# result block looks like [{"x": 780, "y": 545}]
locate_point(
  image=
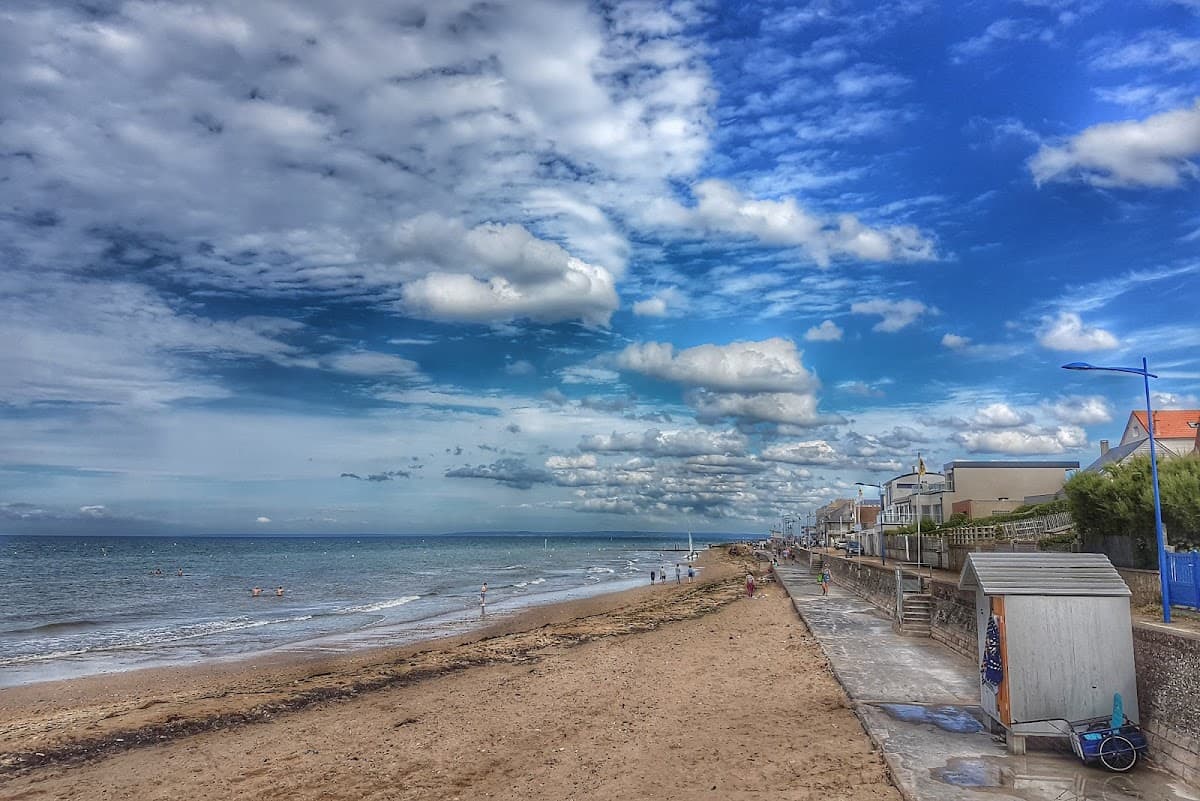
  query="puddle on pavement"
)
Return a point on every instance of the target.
[
  {"x": 1041, "y": 779},
  {"x": 955, "y": 719}
]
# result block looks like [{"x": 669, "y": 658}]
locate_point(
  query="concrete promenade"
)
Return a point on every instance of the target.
[{"x": 918, "y": 702}]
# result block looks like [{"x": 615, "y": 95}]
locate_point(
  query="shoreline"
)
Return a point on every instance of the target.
[
  {"x": 72, "y": 720},
  {"x": 691, "y": 692},
  {"x": 184, "y": 622}
]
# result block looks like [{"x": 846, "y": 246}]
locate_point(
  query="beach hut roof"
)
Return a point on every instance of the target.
[{"x": 1089, "y": 574}]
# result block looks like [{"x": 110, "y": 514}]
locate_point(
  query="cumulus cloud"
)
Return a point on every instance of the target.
[
  {"x": 895, "y": 314},
  {"x": 827, "y": 331},
  {"x": 763, "y": 381},
  {"x": 769, "y": 407},
  {"x": 812, "y": 452},
  {"x": 1000, "y": 415},
  {"x": 1081, "y": 410},
  {"x": 276, "y": 185},
  {"x": 582, "y": 461},
  {"x": 1068, "y": 332},
  {"x": 664, "y": 303},
  {"x": 494, "y": 272},
  {"x": 955, "y": 342},
  {"x": 1154, "y": 152},
  {"x": 772, "y": 365},
  {"x": 1023, "y": 442},
  {"x": 653, "y": 442},
  {"x": 722, "y": 209}
]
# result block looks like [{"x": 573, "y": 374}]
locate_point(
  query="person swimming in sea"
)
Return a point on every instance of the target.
[
  {"x": 279, "y": 591},
  {"x": 257, "y": 591}
]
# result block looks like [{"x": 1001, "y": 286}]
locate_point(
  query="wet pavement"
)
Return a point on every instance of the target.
[{"x": 919, "y": 703}]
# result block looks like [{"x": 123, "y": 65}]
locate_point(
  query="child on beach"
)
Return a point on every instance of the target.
[
  {"x": 652, "y": 576},
  {"x": 678, "y": 574},
  {"x": 749, "y": 585},
  {"x": 691, "y": 574}
]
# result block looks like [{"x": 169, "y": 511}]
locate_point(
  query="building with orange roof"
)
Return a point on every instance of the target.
[{"x": 1176, "y": 433}]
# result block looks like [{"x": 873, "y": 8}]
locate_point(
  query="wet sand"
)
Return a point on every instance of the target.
[{"x": 677, "y": 691}]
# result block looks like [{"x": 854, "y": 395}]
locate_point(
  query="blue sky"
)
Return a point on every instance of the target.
[{"x": 369, "y": 267}]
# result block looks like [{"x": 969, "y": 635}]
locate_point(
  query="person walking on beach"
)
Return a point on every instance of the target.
[
  {"x": 652, "y": 577},
  {"x": 483, "y": 599},
  {"x": 678, "y": 574},
  {"x": 749, "y": 585},
  {"x": 691, "y": 574},
  {"x": 662, "y": 575}
]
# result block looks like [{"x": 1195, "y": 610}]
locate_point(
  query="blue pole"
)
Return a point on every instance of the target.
[{"x": 1158, "y": 524}]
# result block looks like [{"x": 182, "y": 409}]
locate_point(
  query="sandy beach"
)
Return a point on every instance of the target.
[{"x": 677, "y": 691}]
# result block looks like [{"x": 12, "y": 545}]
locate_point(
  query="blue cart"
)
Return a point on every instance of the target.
[{"x": 1117, "y": 749}]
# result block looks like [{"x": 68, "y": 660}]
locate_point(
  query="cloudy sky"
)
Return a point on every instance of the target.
[{"x": 399, "y": 266}]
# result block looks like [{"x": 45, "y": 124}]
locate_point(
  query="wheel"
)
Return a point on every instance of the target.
[{"x": 1118, "y": 754}]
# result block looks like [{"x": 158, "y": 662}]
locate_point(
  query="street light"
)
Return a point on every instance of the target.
[
  {"x": 1158, "y": 524},
  {"x": 878, "y": 521}
]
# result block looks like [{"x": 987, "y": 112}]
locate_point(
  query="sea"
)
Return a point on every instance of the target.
[{"x": 80, "y": 606}]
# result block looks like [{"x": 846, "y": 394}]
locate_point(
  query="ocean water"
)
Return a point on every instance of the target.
[{"x": 73, "y": 607}]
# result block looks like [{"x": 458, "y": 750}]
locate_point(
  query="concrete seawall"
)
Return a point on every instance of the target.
[{"x": 1167, "y": 659}]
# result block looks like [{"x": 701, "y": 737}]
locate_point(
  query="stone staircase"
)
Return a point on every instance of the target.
[{"x": 917, "y": 614}]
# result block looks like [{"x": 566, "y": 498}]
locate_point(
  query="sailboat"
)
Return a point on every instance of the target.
[{"x": 691, "y": 548}]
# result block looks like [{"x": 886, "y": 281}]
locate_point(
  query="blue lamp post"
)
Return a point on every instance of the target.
[
  {"x": 1146, "y": 375},
  {"x": 882, "y": 536}
]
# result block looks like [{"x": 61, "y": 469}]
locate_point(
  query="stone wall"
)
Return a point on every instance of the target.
[
  {"x": 1168, "y": 679},
  {"x": 874, "y": 583},
  {"x": 953, "y": 619}
]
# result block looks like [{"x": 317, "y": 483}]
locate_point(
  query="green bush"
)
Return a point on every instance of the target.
[{"x": 1119, "y": 502}]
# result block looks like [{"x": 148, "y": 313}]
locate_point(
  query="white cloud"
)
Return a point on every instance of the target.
[
  {"x": 563, "y": 116},
  {"x": 720, "y": 208},
  {"x": 583, "y": 461},
  {"x": 955, "y": 342},
  {"x": 262, "y": 520},
  {"x": 827, "y": 331},
  {"x": 372, "y": 363},
  {"x": 694, "y": 442},
  {"x": 1068, "y": 332},
  {"x": 1154, "y": 152},
  {"x": 771, "y": 365},
  {"x": 1153, "y": 48},
  {"x": 1023, "y": 442},
  {"x": 770, "y": 407},
  {"x": 1001, "y": 415},
  {"x": 493, "y": 273},
  {"x": 811, "y": 452},
  {"x": 1081, "y": 410},
  {"x": 664, "y": 303},
  {"x": 650, "y": 307},
  {"x": 996, "y": 33},
  {"x": 1175, "y": 400},
  {"x": 896, "y": 314}
]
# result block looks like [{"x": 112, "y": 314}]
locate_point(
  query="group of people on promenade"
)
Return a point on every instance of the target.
[{"x": 660, "y": 576}]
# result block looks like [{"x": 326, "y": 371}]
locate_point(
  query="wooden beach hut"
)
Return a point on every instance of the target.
[{"x": 1055, "y": 640}]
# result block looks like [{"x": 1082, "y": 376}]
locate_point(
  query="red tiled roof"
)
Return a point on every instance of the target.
[{"x": 1172, "y": 424}]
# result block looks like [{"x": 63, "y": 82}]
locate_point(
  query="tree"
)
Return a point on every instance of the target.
[{"x": 1114, "y": 510}]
